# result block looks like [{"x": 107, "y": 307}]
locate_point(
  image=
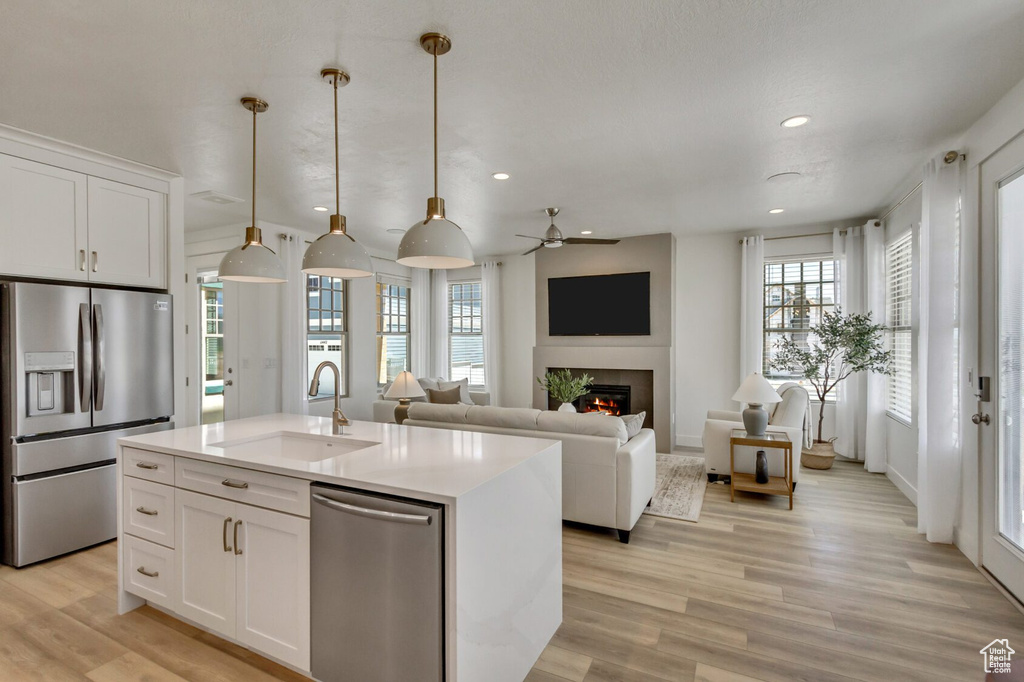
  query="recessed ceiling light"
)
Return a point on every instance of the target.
[
  {"x": 587, "y": 232},
  {"x": 395, "y": 230},
  {"x": 322, "y": 209},
  {"x": 795, "y": 121},
  {"x": 777, "y": 210},
  {"x": 500, "y": 176}
]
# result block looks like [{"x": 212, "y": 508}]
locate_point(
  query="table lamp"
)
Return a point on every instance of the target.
[
  {"x": 404, "y": 388},
  {"x": 755, "y": 391}
]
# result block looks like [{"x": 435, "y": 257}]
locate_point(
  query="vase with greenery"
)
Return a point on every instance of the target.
[
  {"x": 838, "y": 346},
  {"x": 565, "y": 388}
]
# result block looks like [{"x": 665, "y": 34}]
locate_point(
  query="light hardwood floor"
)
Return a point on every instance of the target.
[{"x": 840, "y": 588}]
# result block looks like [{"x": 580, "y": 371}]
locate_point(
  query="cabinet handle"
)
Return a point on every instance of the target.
[
  {"x": 238, "y": 550},
  {"x": 81, "y": 257},
  {"x": 147, "y": 512},
  {"x": 95, "y": 262},
  {"x": 148, "y": 574},
  {"x": 224, "y": 534},
  {"x": 146, "y": 465},
  {"x": 242, "y": 485}
]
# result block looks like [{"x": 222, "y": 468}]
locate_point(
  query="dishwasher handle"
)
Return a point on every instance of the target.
[{"x": 414, "y": 519}]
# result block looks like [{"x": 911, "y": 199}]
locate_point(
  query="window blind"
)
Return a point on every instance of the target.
[{"x": 898, "y": 292}]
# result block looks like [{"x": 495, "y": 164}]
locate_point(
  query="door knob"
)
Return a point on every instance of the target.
[
  {"x": 229, "y": 382},
  {"x": 980, "y": 418}
]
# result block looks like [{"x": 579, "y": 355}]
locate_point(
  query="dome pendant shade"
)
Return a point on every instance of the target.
[
  {"x": 336, "y": 254},
  {"x": 436, "y": 243},
  {"x": 252, "y": 262}
]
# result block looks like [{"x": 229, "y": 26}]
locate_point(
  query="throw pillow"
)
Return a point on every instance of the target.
[
  {"x": 426, "y": 383},
  {"x": 449, "y": 397},
  {"x": 634, "y": 422},
  {"x": 463, "y": 385}
]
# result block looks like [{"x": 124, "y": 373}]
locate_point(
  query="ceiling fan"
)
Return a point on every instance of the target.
[{"x": 553, "y": 238}]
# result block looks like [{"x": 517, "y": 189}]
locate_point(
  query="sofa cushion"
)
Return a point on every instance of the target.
[
  {"x": 453, "y": 414},
  {"x": 634, "y": 422},
  {"x": 504, "y": 417},
  {"x": 463, "y": 385},
  {"x": 588, "y": 424},
  {"x": 451, "y": 396},
  {"x": 427, "y": 382}
]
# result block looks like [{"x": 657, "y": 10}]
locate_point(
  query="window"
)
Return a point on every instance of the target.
[
  {"x": 796, "y": 295},
  {"x": 393, "y": 337},
  {"x": 898, "y": 292},
  {"x": 326, "y": 332},
  {"x": 465, "y": 332}
]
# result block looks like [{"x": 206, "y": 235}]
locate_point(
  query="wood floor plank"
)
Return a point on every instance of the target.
[
  {"x": 595, "y": 643},
  {"x": 708, "y": 673},
  {"x": 48, "y": 586},
  {"x": 564, "y": 663},
  {"x": 132, "y": 667}
]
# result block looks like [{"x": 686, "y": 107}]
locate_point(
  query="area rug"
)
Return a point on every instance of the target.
[{"x": 679, "y": 488}]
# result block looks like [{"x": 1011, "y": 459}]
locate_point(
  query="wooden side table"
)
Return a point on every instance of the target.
[{"x": 776, "y": 485}]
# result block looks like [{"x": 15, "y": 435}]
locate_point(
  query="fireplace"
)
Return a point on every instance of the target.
[{"x": 607, "y": 398}]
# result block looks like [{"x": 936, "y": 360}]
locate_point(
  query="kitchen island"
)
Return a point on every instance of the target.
[{"x": 214, "y": 528}]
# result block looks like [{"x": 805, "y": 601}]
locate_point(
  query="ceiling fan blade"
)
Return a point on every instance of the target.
[
  {"x": 526, "y": 236},
  {"x": 578, "y": 240},
  {"x": 536, "y": 248}
]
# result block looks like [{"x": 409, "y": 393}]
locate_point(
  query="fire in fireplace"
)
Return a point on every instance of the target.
[{"x": 606, "y": 398}]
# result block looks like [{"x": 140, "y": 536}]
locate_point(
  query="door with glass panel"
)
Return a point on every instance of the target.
[
  {"x": 212, "y": 343},
  {"x": 1001, "y": 419}
]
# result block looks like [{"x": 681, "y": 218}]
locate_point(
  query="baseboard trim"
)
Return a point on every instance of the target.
[
  {"x": 688, "y": 442},
  {"x": 902, "y": 483}
]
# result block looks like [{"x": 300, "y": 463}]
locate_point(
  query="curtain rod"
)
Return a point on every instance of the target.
[
  {"x": 900, "y": 202},
  {"x": 801, "y": 236}
]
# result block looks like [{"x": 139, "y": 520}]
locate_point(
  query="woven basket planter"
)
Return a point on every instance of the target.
[{"x": 820, "y": 456}]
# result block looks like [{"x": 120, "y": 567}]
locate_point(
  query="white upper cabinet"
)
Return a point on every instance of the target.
[
  {"x": 43, "y": 228},
  {"x": 126, "y": 234},
  {"x": 61, "y": 224}
]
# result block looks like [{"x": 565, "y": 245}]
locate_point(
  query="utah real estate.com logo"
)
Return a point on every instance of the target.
[{"x": 997, "y": 656}]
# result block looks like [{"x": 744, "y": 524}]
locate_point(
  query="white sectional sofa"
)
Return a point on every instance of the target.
[
  {"x": 607, "y": 477},
  {"x": 384, "y": 410}
]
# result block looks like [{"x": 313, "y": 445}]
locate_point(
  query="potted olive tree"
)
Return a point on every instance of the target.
[
  {"x": 838, "y": 346},
  {"x": 565, "y": 388}
]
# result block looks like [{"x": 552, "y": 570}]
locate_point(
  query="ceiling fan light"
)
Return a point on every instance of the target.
[{"x": 552, "y": 245}]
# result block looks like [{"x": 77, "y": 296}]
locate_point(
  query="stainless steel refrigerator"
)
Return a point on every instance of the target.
[{"x": 79, "y": 368}]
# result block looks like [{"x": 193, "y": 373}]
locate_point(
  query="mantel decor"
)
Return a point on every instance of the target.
[{"x": 565, "y": 388}]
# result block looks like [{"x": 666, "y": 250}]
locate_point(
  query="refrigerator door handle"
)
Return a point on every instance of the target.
[
  {"x": 100, "y": 343},
  {"x": 84, "y": 357}
]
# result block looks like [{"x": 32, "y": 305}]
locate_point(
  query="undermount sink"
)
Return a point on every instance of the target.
[{"x": 304, "y": 447}]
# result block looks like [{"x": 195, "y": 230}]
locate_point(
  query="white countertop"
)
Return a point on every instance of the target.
[{"x": 434, "y": 464}]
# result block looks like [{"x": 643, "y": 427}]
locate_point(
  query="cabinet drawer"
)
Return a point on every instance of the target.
[
  {"x": 152, "y": 466},
  {"x": 149, "y": 511},
  {"x": 282, "y": 493},
  {"x": 148, "y": 571}
]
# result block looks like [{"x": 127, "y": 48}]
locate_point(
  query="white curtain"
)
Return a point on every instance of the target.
[
  {"x": 860, "y": 399},
  {"x": 491, "y": 284},
  {"x": 419, "y": 363},
  {"x": 938, "y": 353},
  {"x": 439, "y": 322},
  {"x": 293, "y": 326},
  {"x": 751, "y": 305}
]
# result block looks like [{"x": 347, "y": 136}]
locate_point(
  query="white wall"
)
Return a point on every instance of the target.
[{"x": 519, "y": 330}]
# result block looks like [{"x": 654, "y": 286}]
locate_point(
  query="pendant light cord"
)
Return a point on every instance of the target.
[
  {"x": 337, "y": 176},
  {"x": 254, "y": 167},
  {"x": 435, "y": 120}
]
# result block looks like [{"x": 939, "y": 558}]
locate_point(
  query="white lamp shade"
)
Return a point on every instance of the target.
[
  {"x": 405, "y": 386},
  {"x": 755, "y": 390},
  {"x": 336, "y": 254},
  {"x": 252, "y": 263},
  {"x": 435, "y": 243}
]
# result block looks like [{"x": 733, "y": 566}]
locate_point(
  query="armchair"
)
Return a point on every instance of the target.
[{"x": 789, "y": 416}]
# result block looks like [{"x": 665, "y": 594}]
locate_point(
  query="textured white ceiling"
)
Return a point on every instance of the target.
[{"x": 633, "y": 116}]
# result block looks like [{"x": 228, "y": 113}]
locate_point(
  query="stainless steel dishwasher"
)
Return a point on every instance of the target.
[{"x": 377, "y": 584}]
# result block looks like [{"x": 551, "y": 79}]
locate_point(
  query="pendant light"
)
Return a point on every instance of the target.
[
  {"x": 336, "y": 254},
  {"x": 436, "y": 242},
  {"x": 252, "y": 261}
]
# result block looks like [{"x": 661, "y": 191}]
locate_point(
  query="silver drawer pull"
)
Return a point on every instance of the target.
[
  {"x": 234, "y": 484},
  {"x": 148, "y": 574},
  {"x": 146, "y": 465},
  {"x": 147, "y": 512}
]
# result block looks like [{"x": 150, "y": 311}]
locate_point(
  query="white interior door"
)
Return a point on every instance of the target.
[
  {"x": 1001, "y": 347},
  {"x": 212, "y": 343}
]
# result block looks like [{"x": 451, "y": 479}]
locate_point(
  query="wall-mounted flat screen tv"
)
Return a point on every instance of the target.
[{"x": 600, "y": 305}]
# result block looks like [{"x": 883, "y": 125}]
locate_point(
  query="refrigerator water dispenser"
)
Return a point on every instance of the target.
[{"x": 51, "y": 382}]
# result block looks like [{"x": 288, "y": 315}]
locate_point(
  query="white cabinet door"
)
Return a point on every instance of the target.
[
  {"x": 206, "y": 560},
  {"x": 272, "y": 590},
  {"x": 126, "y": 235},
  {"x": 42, "y": 220}
]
